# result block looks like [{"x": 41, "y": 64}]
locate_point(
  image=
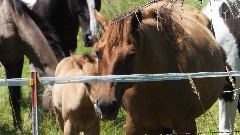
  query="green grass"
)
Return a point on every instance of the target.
[{"x": 48, "y": 125}]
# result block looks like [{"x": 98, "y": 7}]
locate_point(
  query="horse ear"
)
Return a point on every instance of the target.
[
  {"x": 101, "y": 20},
  {"x": 79, "y": 63},
  {"x": 136, "y": 20}
]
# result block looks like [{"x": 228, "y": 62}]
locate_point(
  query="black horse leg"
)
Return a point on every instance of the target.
[
  {"x": 238, "y": 104},
  {"x": 167, "y": 131},
  {"x": 15, "y": 71}
]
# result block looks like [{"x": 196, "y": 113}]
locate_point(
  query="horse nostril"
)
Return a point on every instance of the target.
[
  {"x": 114, "y": 105},
  {"x": 107, "y": 109},
  {"x": 87, "y": 38}
]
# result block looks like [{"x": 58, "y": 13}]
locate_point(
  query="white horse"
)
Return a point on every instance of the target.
[{"x": 226, "y": 23}]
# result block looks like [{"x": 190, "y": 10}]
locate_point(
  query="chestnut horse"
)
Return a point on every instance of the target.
[
  {"x": 134, "y": 45},
  {"x": 23, "y": 33},
  {"x": 71, "y": 101},
  {"x": 226, "y": 23}
]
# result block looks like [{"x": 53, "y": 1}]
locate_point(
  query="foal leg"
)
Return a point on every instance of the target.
[
  {"x": 15, "y": 71},
  {"x": 94, "y": 129},
  {"x": 69, "y": 128}
]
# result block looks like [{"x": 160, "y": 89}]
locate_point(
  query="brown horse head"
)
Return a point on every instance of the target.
[{"x": 120, "y": 38}]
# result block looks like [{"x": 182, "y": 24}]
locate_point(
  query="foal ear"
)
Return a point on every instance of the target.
[
  {"x": 101, "y": 20},
  {"x": 136, "y": 20}
]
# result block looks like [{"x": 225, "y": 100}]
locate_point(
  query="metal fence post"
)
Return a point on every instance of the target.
[{"x": 35, "y": 111}]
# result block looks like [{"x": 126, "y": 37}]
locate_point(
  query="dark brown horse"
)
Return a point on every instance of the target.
[
  {"x": 23, "y": 33},
  {"x": 148, "y": 42},
  {"x": 66, "y": 16}
]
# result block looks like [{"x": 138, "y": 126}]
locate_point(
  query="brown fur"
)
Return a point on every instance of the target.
[
  {"x": 182, "y": 44},
  {"x": 71, "y": 101}
]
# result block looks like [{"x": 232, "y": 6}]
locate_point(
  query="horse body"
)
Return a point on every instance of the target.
[
  {"x": 182, "y": 44},
  {"x": 74, "y": 108},
  {"x": 225, "y": 19},
  {"x": 16, "y": 26},
  {"x": 66, "y": 16}
]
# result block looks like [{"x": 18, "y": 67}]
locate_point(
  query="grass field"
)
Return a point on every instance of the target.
[{"x": 48, "y": 125}]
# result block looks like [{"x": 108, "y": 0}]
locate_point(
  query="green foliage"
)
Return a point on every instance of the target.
[{"x": 48, "y": 124}]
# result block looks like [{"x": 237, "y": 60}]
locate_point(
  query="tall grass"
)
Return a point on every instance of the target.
[{"x": 48, "y": 125}]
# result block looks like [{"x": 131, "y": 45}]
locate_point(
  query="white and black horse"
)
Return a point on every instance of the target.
[{"x": 226, "y": 23}]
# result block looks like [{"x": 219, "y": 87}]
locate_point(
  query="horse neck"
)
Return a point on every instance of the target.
[
  {"x": 57, "y": 13},
  {"x": 152, "y": 50},
  {"x": 39, "y": 52}
]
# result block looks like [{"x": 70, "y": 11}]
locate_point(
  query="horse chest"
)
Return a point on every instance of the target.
[{"x": 159, "y": 102}]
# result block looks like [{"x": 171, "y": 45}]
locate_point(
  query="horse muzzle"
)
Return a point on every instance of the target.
[
  {"x": 89, "y": 40},
  {"x": 107, "y": 110}
]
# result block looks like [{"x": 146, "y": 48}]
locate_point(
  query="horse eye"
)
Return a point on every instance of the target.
[{"x": 98, "y": 54}]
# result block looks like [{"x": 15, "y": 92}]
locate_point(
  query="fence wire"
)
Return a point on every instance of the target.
[{"x": 117, "y": 78}]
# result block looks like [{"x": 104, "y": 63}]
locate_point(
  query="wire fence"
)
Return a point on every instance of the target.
[{"x": 117, "y": 78}]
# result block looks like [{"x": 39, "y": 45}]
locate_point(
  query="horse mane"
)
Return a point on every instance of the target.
[
  {"x": 17, "y": 6},
  {"x": 43, "y": 25},
  {"x": 169, "y": 25},
  {"x": 116, "y": 28}
]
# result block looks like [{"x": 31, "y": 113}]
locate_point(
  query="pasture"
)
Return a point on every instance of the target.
[{"x": 206, "y": 124}]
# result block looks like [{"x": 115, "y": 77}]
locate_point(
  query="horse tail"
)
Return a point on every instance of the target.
[{"x": 227, "y": 96}]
